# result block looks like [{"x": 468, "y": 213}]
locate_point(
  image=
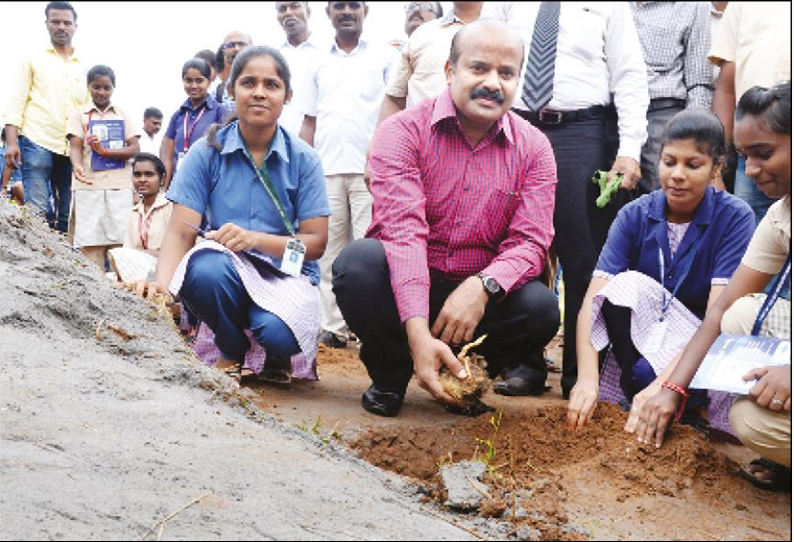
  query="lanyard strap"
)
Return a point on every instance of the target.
[
  {"x": 188, "y": 133},
  {"x": 143, "y": 229},
  {"x": 687, "y": 268},
  {"x": 771, "y": 298},
  {"x": 267, "y": 182}
]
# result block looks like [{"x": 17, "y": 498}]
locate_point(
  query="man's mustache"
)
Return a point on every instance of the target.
[{"x": 495, "y": 95}]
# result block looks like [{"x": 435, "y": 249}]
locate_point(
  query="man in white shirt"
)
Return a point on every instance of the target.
[
  {"x": 341, "y": 105},
  {"x": 152, "y": 122},
  {"x": 300, "y": 51},
  {"x": 595, "y": 120}
]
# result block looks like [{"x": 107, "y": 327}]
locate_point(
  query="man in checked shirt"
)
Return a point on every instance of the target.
[{"x": 463, "y": 195}]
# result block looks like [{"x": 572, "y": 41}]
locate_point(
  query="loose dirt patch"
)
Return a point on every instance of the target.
[{"x": 548, "y": 482}]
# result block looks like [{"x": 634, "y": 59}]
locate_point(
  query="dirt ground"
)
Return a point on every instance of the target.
[{"x": 595, "y": 484}]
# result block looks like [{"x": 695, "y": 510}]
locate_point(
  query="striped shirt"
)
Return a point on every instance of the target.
[{"x": 445, "y": 211}]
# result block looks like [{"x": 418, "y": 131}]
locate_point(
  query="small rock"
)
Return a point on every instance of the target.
[
  {"x": 527, "y": 533},
  {"x": 461, "y": 480}
]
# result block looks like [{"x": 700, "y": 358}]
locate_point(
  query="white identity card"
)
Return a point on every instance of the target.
[
  {"x": 653, "y": 343},
  {"x": 294, "y": 253}
]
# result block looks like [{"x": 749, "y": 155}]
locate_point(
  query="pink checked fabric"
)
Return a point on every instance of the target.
[
  {"x": 643, "y": 296},
  {"x": 293, "y": 299},
  {"x": 446, "y": 211}
]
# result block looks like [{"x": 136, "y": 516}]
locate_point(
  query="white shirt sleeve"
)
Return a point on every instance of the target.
[{"x": 628, "y": 80}]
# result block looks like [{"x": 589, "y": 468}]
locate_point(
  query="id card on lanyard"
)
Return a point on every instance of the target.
[
  {"x": 188, "y": 133},
  {"x": 655, "y": 338},
  {"x": 295, "y": 251}
]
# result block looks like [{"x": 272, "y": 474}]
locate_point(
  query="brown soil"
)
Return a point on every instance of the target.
[{"x": 551, "y": 483}]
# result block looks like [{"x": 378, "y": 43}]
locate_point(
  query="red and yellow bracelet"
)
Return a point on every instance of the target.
[{"x": 672, "y": 386}]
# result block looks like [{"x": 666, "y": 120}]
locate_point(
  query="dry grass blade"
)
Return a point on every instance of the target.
[
  {"x": 121, "y": 332},
  {"x": 98, "y": 331},
  {"x": 469, "y": 346},
  {"x": 160, "y": 525},
  {"x": 454, "y": 524}
]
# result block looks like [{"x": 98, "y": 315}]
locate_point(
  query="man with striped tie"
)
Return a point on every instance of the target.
[{"x": 585, "y": 87}]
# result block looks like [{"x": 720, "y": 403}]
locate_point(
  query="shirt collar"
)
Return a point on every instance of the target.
[
  {"x": 158, "y": 202},
  {"x": 449, "y": 18},
  {"x": 310, "y": 42},
  {"x": 90, "y": 106},
  {"x": 51, "y": 50},
  {"x": 444, "y": 108},
  {"x": 209, "y": 101},
  {"x": 232, "y": 141},
  {"x": 703, "y": 213},
  {"x": 362, "y": 44}
]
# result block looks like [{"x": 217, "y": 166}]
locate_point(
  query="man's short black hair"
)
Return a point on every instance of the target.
[
  {"x": 220, "y": 60},
  {"x": 64, "y": 6},
  {"x": 209, "y": 57},
  {"x": 152, "y": 112}
]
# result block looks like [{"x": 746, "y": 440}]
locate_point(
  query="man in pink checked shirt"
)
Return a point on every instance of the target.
[{"x": 462, "y": 221}]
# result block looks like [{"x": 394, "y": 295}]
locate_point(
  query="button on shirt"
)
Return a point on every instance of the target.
[
  {"x": 675, "y": 38},
  {"x": 419, "y": 70},
  {"x": 598, "y": 56},
  {"x": 345, "y": 94},
  {"x": 223, "y": 186},
  {"x": 215, "y": 114},
  {"x": 44, "y": 91},
  {"x": 445, "y": 211},
  {"x": 301, "y": 60},
  {"x": 724, "y": 222}
]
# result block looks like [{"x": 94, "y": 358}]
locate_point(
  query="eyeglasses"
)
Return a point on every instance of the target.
[
  {"x": 339, "y": 6},
  {"x": 422, "y": 6},
  {"x": 233, "y": 44}
]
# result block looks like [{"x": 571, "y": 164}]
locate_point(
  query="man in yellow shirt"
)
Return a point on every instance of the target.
[{"x": 48, "y": 86}]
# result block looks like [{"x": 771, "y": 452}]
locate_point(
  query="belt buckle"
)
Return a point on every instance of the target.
[{"x": 549, "y": 116}]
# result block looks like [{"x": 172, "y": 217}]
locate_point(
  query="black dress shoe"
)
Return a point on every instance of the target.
[
  {"x": 382, "y": 403},
  {"x": 521, "y": 380},
  {"x": 331, "y": 339}
]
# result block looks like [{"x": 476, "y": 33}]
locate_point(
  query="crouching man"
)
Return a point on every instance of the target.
[{"x": 463, "y": 195}]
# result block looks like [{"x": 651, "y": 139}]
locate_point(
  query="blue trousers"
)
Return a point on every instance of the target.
[
  {"x": 636, "y": 373},
  {"x": 47, "y": 182},
  {"x": 214, "y": 291}
]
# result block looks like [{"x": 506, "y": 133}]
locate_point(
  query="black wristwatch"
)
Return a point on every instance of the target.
[{"x": 490, "y": 285}]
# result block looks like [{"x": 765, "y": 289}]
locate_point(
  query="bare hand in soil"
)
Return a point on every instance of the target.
[
  {"x": 151, "y": 291},
  {"x": 582, "y": 404},
  {"x": 773, "y": 389},
  {"x": 636, "y": 406},
  {"x": 429, "y": 355},
  {"x": 233, "y": 237},
  {"x": 461, "y": 313},
  {"x": 655, "y": 417}
]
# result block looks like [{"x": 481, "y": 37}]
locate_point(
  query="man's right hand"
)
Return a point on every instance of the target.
[
  {"x": 13, "y": 156},
  {"x": 429, "y": 355}
]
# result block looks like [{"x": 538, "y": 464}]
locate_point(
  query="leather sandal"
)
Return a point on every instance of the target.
[
  {"x": 235, "y": 371},
  {"x": 780, "y": 475}
]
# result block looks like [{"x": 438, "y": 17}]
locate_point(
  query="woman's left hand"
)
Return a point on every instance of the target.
[{"x": 233, "y": 237}]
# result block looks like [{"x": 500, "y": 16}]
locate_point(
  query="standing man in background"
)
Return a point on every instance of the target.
[
  {"x": 300, "y": 51},
  {"x": 234, "y": 42},
  {"x": 585, "y": 87},
  {"x": 152, "y": 122},
  {"x": 419, "y": 13},
  {"x": 675, "y": 39},
  {"x": 341, "y": 105},
  {"x": 47, "y": 87}
]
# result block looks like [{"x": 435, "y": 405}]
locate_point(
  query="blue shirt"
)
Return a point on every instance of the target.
[
  {"x": 222, "y": 186},
  {"x": 724, "y": 222},
  {"x": 215, "y": 114}
]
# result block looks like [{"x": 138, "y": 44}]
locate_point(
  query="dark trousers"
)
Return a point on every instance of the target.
[
  {"x": 636, "y": 373},
  {"x": 580, "y": 148},
  {"x": 518, "y": 327}
]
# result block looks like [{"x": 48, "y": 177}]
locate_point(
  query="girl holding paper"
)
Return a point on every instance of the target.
[
  {"x": 102, "y": 139},
  {"x": 668, "y": 256},
  {"x": 762, "y": 420},
  {"x": 257, "y": 193}
]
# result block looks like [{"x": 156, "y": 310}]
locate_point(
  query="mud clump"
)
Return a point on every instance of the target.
[{"x": 471, "y": 389}]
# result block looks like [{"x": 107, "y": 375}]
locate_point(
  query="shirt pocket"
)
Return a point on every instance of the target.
[
  {"x": 588, "y": 33},
  {"x": 663, "y": 49},
  {"x": 498, "y": 214}
]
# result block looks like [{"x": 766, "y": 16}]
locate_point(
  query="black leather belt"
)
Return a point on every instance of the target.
[
  {"x": 658, "y": 104},
  {"x": 552, "y": 116}
]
